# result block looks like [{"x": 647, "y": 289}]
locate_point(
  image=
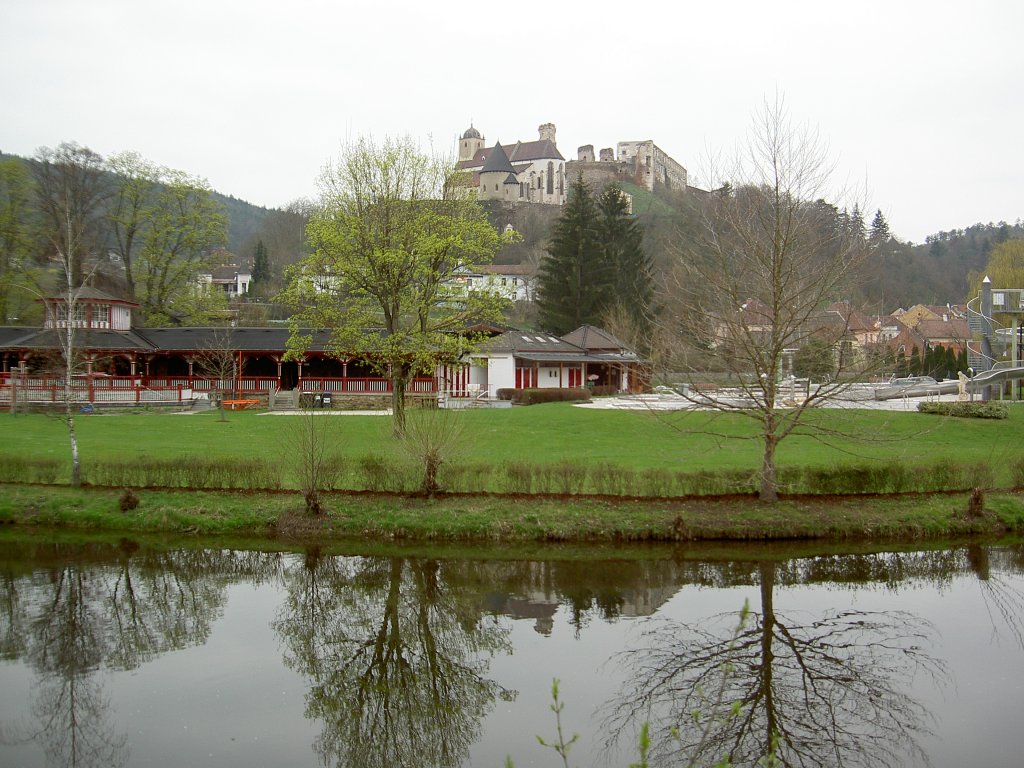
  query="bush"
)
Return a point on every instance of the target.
[
  {"x": 967, "y": 410},
  {"x": 518, "y": 477},
  {"x": 18, "y": 469},
  {"x": 604, "y": 390},
  {"x": 128, "y": 501},
  {"x": 533, "y": 396},
  {"x": 374, "y": 472}
]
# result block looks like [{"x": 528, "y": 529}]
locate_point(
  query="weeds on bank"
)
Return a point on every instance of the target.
[{"x": 381, "y": 472}]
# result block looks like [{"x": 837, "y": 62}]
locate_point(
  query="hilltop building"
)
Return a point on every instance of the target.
[
  {"x": 643, "y": 163},
  {"x": 523, "y": 172}
]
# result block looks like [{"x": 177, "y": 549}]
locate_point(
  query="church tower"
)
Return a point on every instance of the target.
[{"x": 470, "y": 143}]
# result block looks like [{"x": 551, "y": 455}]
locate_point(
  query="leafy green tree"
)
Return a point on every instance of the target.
[
  {"x": 393, "y": 230},
  {"x": 575, "y": 283},
  {"x": 18, "y": 235},
  {"x": 185, "y": 226},
  {"x": 630, "y": 267}
]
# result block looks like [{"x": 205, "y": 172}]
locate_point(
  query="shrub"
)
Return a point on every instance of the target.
[
  {"x": 536, "y": 396},
  {"x": 18, "y": 469},
  {"x": 967, "y": 410},
  {"x": 518, "y": 477},
  {"x": 612, "y": 480},
  {"x": 569, "y": 477},
  {"x": 374, "y": 472},
  {"x": 128, "y": 501},
  {"x": 604, "y": 390}
]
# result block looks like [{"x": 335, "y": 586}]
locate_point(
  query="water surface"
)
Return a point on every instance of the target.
[{"x": 132, "y": 654}]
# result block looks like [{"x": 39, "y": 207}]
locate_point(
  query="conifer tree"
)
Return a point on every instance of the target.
[
  {"x": 879, "y": 233},
  {"x": 574, "y": 281},
  {"x": 632, "y": 284},
  {"x": 260, "y": 265}
]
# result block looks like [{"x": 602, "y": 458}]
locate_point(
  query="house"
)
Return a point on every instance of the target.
[
  {"x": 514, "y": 282},
  {"x": 514, "y": 359},
  {"x": 523, "y": 172},
  {"x": 124, "y": 364},
  {"x": 233, "y": 279}
]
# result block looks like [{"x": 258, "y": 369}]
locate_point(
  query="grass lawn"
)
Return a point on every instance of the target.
[{"x": 542, "y": 434}]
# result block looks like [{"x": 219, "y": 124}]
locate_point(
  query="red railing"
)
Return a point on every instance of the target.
[{"x": 15, "y": 387}]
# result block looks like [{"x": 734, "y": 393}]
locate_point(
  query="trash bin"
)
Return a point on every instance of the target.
[{"x": 325, "y": 400}]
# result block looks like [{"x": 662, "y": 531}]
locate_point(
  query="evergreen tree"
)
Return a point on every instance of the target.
[
  {"x": 574, "y": 280},
  {"x": 629, "y": 265},
  {"x": 879, "y": 233},
  {"x": 857, "y": 231},
  {"x": 260, "y": 265}
]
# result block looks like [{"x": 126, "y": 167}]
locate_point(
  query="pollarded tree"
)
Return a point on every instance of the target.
[
  {"x": 763, "y": 274},
  {"x": 393, "y": 231},
  {"x": 622, "y": 241},
  {"x": 575, "y": 280}
]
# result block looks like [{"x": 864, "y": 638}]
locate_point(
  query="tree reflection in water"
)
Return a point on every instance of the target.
[
  {"x": 397, "y": 659},
  {"x": 82, "y": 610},
  {"x": 828, "y": 690}
]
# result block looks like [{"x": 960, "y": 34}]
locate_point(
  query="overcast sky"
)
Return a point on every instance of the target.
[{"x": 920, "y": 102}]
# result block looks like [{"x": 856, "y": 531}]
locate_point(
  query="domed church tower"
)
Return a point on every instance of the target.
[{"x": 470, "y": 143}]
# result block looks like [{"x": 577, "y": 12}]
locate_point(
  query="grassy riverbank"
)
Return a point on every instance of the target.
[
  {"x": 544, "y": 473},
  {"x": 539, "y": 449},
  {"x": 506, "y": 518}
]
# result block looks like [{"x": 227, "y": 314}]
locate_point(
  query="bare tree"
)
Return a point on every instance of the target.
[
  {"x": 72, "y": 190},
  {"x": 217, "y": 359},
  {"x": 756, "y": 283},
  {"x": 307, "y": 441}
]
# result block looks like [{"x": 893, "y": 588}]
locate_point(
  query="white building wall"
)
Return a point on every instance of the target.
[{"x": 501, "y": 373}]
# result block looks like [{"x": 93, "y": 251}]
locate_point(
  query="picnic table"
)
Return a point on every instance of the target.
[{"x": 240, "y": 405}]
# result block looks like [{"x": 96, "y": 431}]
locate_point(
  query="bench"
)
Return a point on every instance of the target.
[{"x": 240, "y": 405}]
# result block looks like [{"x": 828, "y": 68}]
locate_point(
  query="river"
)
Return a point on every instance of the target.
[{"x": 136, "y": 653}]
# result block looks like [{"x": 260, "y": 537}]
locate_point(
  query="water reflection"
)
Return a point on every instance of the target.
[
  {"x": 85, "y": 610},
  {"x": 404, "y": 660},
  {"x": 397, "y": 657},
  {"x": 807, "y": 689}
]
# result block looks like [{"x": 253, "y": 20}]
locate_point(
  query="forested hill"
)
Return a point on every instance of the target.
[{"x": 939, "y": 270}]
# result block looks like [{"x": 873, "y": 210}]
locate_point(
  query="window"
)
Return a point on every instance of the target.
[
  {"x": 101, "y": 314},
  {"x": 551, "y": 178}
]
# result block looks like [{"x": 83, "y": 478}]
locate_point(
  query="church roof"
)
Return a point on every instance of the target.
[
  {"x": 522, "y": 153},
  {"x": 497, "y": 160},
  {"x": 471, "y": 133}
]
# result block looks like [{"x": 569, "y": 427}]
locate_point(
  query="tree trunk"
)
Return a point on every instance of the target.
[
  {"x": 398, "y": 402},
  {"x": 76, "y": 467},
  {"x": 769, "y": 479}
]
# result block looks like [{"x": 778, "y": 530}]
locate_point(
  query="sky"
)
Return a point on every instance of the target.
[{"x": 920, "y": 103}]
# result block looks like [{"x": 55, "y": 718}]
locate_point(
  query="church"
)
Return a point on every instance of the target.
[{"x": 523, "y": 172}]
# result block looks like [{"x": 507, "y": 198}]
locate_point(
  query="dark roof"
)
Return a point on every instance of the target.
[
  {"x": 497, "y": 161},
  {"x": 49, "y": 338},
  {"x": 592, "y": 339},
  {"x": 471, "y": 133},
  {"x": 527, "y": 151},
  {"x": 522, "y": 153},
  {"x": 238, "y": 339},
  {"x": 519, "y": 342}
]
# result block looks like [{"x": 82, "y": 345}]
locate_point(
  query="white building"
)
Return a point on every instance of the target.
[{"x": 524, "y": 172}]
